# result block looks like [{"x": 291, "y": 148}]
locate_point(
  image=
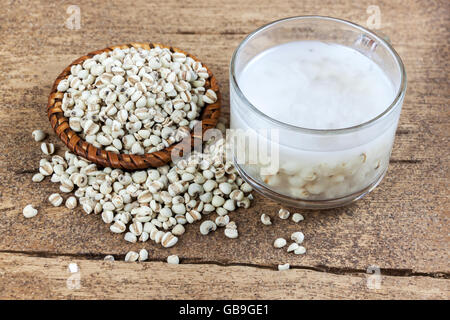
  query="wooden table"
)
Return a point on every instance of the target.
[{"x": 402, "y": 227}]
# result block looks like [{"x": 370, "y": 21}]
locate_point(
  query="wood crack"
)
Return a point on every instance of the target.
[
  {"x": 7, "y": 209},
  {"x": 191, "y": 32},
  {"x": 404, "y": 131},
  {"x": 411, "y": 161},
  {"x": 26, "y": 171},
  {"x": 199, "y": 261}
]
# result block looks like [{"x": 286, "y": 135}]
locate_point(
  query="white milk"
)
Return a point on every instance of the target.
[{"x": 316, "y": 85}]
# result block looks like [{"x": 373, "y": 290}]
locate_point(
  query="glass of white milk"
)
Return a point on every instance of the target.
[{"x": 315, "y": 103}]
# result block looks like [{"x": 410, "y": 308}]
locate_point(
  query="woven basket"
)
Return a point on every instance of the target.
[{"x": 60, "y": 124}]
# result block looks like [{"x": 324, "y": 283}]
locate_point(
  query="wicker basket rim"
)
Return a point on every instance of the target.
[{"x": 60, "y": 124}]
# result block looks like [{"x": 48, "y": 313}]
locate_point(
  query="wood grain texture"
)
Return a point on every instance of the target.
[
  {"x": 402, "y": 227},
  {"x": 50, "y": 278}
]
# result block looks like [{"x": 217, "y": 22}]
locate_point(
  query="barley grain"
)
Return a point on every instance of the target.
[
  {"x": 38, "y": 177},
  {"x": 173, "y": 259},
  {"x": 55, "y": 199},
  {"x": 279, "y": 243},
  {"x": 300, "y": 250},
  {"x": 282, "y": 267},
  {"x": 297, "y": 217},
  {"x": 298, "y": 237},
  {"x": 38, "y": 135},
  {"x": 143, "y": 255},
  {"x": 29, "y": 211},
  {"x": 131, "y": 256},
  {"x": 283, "y": 214},
  {"x": 265, "y": 219},
  {"x": 292, "y": 247},
  {"x": 207, "y": 226},
  {"x": 71, "y": 202}
]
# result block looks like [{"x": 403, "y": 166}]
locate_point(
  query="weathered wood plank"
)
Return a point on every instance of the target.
[
  {"x": 403, "y": 226},
  {"x": 392, "y": 227},
  {"x": 23, "y": 277}
]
